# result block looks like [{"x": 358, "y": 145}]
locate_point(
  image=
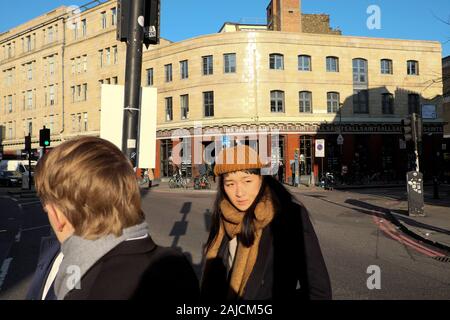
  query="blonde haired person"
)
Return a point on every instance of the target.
[
  {"x": 262, "y": 245},
  {"x": 89, "y": 190}
]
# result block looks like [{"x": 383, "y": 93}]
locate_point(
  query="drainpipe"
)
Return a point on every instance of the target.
[{"x": 62, "y": 81}]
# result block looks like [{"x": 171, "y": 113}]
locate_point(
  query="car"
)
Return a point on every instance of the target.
[{"x": 12, "y": 171}]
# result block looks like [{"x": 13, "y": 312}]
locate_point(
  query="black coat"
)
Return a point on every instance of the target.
[
  {"x": 50, "y": 248},
  {"x": 290, "y": 265},
  {"x": 139, "y": 270}
]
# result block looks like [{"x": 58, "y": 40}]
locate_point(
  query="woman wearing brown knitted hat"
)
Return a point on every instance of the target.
[{"x": 262, "y": 245}]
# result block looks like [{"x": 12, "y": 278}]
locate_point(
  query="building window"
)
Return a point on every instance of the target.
[
  {"x": 84, "y": 27},
  {"x": 386, "y": 66},
  {"x": 108, "y": 56},
  {"x": 73, "y": 122},
  {"x": 51, "y": 65},
  {"x": 276, "y": 61},
  {"x": 208, "y": 103},
  {"x": 184, "y": 68},
  {"x": 100, "y": 54},
  {"x": 305, "y": 101},
  {"x": 30, "y": 71},
  {"x": 169, "y": 109},
  {"x": 116, "y": 53},
  {"x": 85, "y": 92},
  {"x": 229, "y": 62},
  {"x": 115, "y": 80},
  {"x": 150, "y": 77},
  {"x": 79, "y": 122},
  {"x": 30, "y": 100},
  {"x": 413, "y": 68},
  {"x": 52, "y": 95},
  {"x": 333, "y": 101},
  {"x": 85, "y": 115},
  {"x": 361, "y": 101},
  {"x": 85, "y": 63},
  {"x": 304, "y": 63},
  {"x": 332, "y": 64},
  {"x": 184, "y": 102},
  {"x": 168, "y": 72},
  {"x": 114, "y": 16},
  {"x": 72, "y": 89},
  {"x": 50, "y": 34},
  {"x": 208, "y": 65},
  {"x": 52, "y": 123},
  {"x": 75, "y": 30},
  {"x": 79, "y": 64},
  {"x": 103, "y": 17},
  {"x": 276, "y": 101},
  {"x": 413, "y": 103},
  {"x": 387, "y": 103},
  {"x": 28, "y": 43},
  {"x": 10, "y": 104},
  {"x": 78, "y": 92},
  {"x": 360, "y": 71}
]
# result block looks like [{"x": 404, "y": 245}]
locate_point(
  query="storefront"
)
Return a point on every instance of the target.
[{"x": 372, "y": 153}]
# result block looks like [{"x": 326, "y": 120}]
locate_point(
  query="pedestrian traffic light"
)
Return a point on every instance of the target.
[
  {"x": 44, "y": 137},
  {"x": 407, "y": 130},
  {"x": 28, "y": 143}
]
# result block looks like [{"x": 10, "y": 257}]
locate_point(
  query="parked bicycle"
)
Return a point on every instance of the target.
[
  {"x": 327, "y": 181},
  {"x": 177, "y": 181},
  {"x": 202, "y": 182}
]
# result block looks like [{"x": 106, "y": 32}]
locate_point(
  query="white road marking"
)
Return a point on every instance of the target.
[
  {"x": 35, "y": 228},
  {"x": 18, "y": 235},
  {"x": 4, "y": 270}
]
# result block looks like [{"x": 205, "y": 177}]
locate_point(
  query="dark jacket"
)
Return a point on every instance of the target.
[
  {"x": 139, "y": 270},
  {"x": 290, "y": 265},
  {"x": 49, "y": 250}
]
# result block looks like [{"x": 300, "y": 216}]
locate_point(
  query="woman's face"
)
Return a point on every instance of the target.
[{"x": 242, "y": 188}]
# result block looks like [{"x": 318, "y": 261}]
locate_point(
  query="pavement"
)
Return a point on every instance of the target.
[{"x": 433, "y": 228}]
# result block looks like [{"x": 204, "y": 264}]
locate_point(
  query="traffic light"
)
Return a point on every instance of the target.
[
  {"x": 123, "y": 20},
  {"x": 44, "y": 137},
  {"x": 28, "y": 143},
  {"x": 407, "y": 129},
  {"x": 419, "y": 128}
]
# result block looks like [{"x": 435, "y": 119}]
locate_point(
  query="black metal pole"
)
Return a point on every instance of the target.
[
  {"x": 133, "y": 71},
  {"x": 29, "y": 165}
]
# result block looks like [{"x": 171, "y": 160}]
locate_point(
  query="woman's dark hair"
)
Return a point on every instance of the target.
[{"x": 281, "y": 197}]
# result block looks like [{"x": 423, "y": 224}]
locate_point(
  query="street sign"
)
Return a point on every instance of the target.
[
  {"x": 415, "y": 193},
  {"x": 320, "y": 148},
  {"x": 111, "y": 121},
  {"x": 340, "y": 140}
]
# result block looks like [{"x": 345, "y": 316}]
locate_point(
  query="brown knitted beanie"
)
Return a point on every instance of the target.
[{"x": 238, "y": 158}]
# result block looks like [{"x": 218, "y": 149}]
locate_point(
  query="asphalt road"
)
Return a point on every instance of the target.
[{"x": 353, "y": 237}]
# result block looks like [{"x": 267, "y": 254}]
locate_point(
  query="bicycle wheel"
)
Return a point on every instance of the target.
[{"x": 172, "y": 184}]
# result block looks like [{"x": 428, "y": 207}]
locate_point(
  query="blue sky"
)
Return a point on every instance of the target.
[{"x": 183, "y": 19}]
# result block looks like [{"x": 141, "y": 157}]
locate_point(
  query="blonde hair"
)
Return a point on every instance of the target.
[{"x": 93, "y": 184}]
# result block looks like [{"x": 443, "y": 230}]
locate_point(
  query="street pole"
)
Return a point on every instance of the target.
[
  {"x": 415, "y": 138},
  {"x": 29, "y": 164},
  {"x": 130, "y": 143}
]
